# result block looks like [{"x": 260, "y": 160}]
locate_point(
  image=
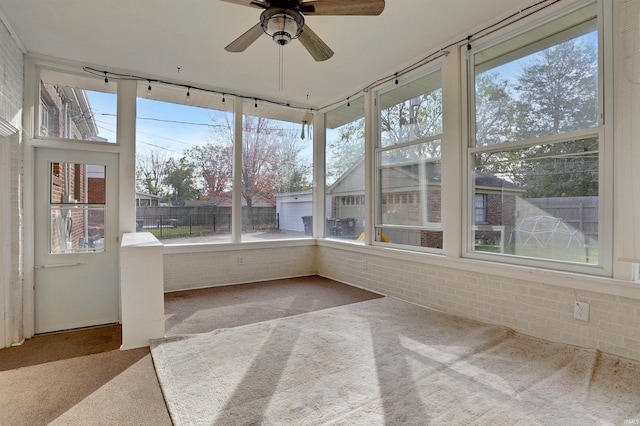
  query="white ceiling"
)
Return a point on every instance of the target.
[{"x": 152, "y": 38}]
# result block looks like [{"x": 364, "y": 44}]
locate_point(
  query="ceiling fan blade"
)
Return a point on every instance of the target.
[
  {"x": 314, "y": 45},
  {"x": 253, "y": 3},
  {"x": 342, "y": 7},
  {"x": 245, "y": 40}
]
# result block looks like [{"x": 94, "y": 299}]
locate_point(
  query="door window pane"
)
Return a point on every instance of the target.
[{"x": 77, "y": 206}]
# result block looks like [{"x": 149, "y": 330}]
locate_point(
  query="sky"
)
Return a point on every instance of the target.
[{"x": 167, "y": 127}]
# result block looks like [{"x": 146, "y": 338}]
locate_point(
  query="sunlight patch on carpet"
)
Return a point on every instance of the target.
[{"x": 385, "y": 361}]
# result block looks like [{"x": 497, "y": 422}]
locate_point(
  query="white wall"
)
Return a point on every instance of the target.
[
  {"x": 536, "y": 303},
  {"x": 11, "y": 92},
  {"x": 190, "y": 267}
]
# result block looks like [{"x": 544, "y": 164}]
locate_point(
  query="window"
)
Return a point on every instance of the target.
[
  {"x": 77, "y": 207},
  {"x": 185, "y": 162},
  {"x": 46, "y": 117},
  {"x": 408, "y": 163},
  {"x": 184, "y": 154},
  {"x": 345, "y": 171},
  {"x": 76, "y": 107},
  {"x": 534, "y": 155},
  {"x": 480, "y": 207},
  {"x": 277, "y": 171}
]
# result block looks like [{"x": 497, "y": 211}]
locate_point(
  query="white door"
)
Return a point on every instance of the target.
[{"x": 76, "y": 239}]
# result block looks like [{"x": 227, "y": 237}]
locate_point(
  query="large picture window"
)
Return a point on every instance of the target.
[
  {"x": 277, "y": 171},
  {"x": 184, "y": 165},
  {"x": 409, "y": 178},
  {"x": 185, "y": 162},
  {"x": 535, "y": 143}
]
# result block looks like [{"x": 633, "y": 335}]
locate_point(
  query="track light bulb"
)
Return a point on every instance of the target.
[{"x": 149, "y": 89}]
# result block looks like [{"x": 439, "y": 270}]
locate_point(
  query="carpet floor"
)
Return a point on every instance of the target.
[
  {"x": 82, "y": 378},
  {"x": 386, "y": 361}
]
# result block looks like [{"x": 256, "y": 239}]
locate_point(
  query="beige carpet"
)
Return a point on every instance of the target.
[
  {"x": 81, "y": 377},
  {"x": 385, "y": 361},
  {"x": 208, "y": 309}
]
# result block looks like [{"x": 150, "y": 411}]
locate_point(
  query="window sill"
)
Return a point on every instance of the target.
[{"x": 249, "y": 245}]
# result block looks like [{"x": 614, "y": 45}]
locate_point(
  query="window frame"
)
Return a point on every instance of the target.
[
  {"x": 601, "y": 131},
  {"x": 379, "y": 199},
  {"x": 44, "y": 102}
]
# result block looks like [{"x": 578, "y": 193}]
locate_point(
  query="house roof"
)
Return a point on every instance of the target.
[
  {"x": 147, "y": 196},
  {"x": 225, "y": 201},
  {"x": 352, "y": 181},
  {"x": 184, "y": 42},
  {"x": 487, "y": 180}
]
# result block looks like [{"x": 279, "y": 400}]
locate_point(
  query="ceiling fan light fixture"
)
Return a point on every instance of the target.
[{"x": 282, "y": 25}]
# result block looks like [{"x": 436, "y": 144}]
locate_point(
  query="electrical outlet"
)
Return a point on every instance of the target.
[
  {"x": 364, "y": 264},
  {"x": 240, "y": 260},
  {"x": 581, "y": 311}
]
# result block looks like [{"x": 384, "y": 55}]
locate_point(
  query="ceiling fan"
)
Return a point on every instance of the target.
[{"x": 283, "y": 20}]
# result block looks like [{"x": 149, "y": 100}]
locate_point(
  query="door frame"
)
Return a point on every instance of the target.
[
  {"x": 124, "y": 147},
  {"x": 109, "y": 312},
  {"x": 28, "y": 213}
]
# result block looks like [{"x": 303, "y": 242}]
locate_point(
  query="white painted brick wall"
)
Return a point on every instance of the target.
[
  {"x": 11, "y": 105},
  {"x": 11, "y": 79},
  {"x": 531, "y": 308},
  {"x": 183, "y": 271}
]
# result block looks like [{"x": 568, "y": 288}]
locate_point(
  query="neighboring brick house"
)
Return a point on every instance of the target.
[
  {"x": 65, "y": 112},
  {"x": 494, "y": 209},
  {"x": 72, "y": 184},
  {"x": 402, "y": 203}
]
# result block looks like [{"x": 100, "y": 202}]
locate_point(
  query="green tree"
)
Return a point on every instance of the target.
[
  {"x": 345, "y": 150},
  {"x": 411, "y": 120},
  {"x": 212, "y": 167},
  {"x": 259, "y": 160},
  {"x": 294, "y": 174},
  {"x": 557, "y": 92},
  {"x": 180, "y": 178},
  {"x": 566, "y": 169},
  {"x": 271, "y": 158},
  {"x": 151, "y": 171},
  {"x": 494, "y": 109}
]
